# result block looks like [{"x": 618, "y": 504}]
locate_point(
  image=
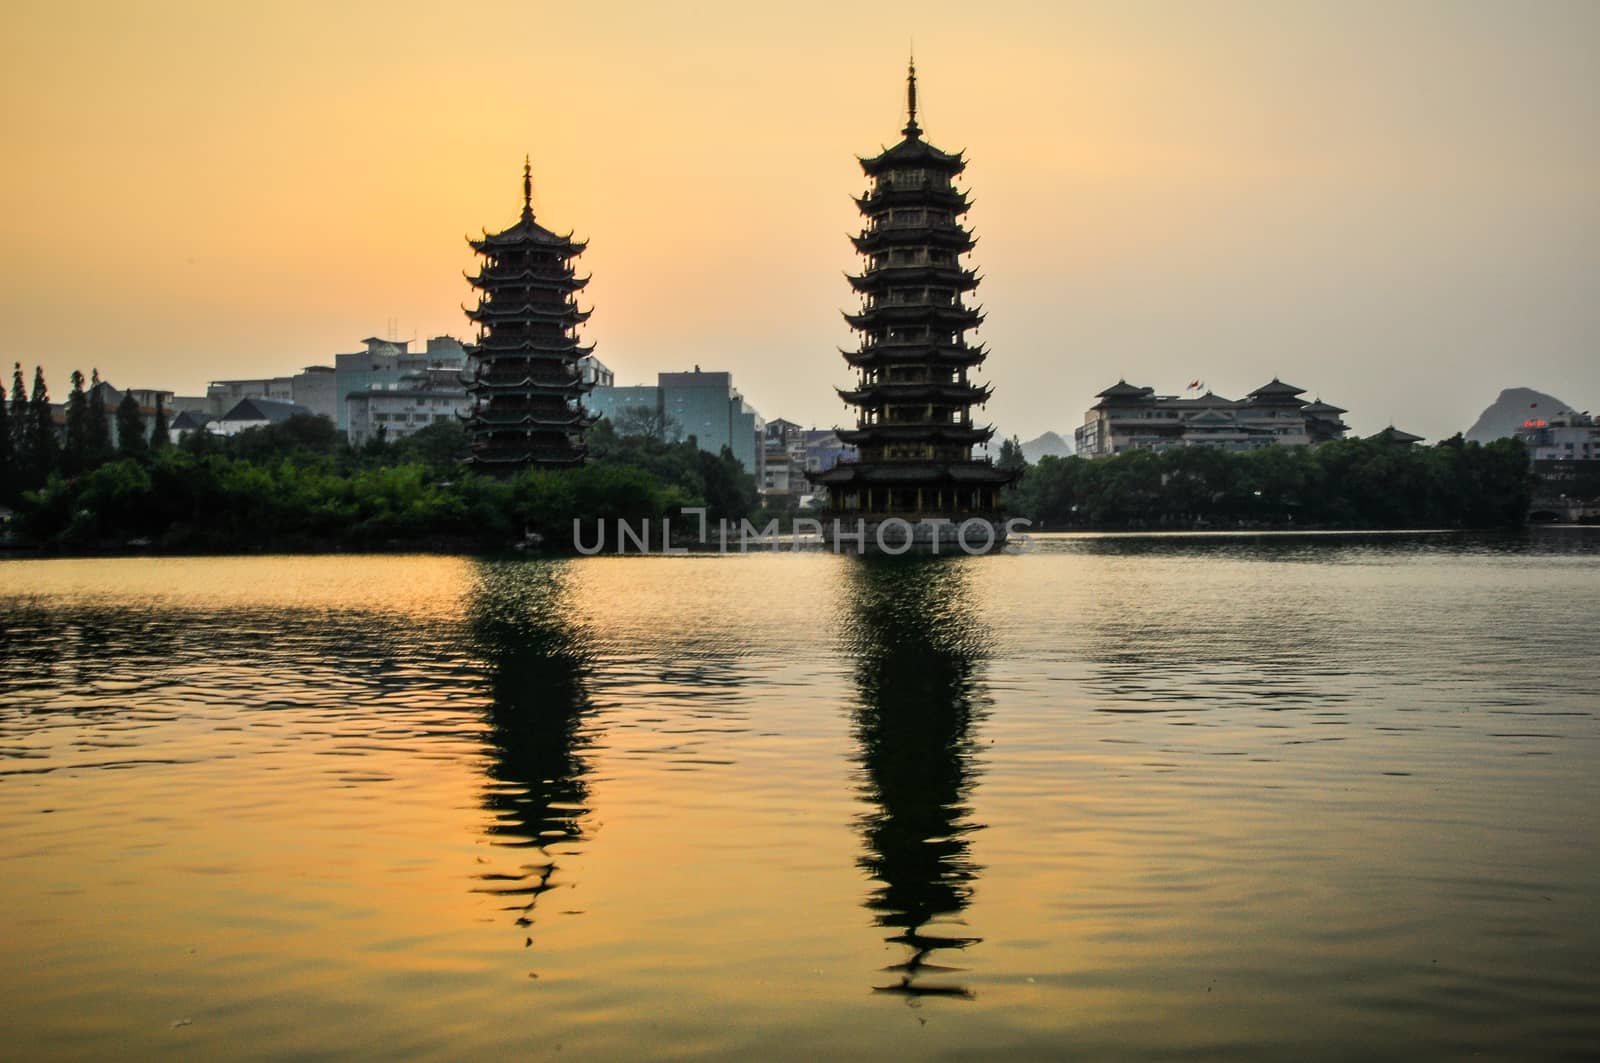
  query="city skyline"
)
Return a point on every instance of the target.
[{"x": 1395, "y": 206}]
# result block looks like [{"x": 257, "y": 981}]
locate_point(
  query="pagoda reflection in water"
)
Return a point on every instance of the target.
[
  {"x": 918, "y": 651},
  {"x": 536, "y": 664}
]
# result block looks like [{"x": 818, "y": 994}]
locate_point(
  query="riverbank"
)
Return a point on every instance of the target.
[
  {"x": 298, "y": 488},
  {"x": 1537, "y": 535}
]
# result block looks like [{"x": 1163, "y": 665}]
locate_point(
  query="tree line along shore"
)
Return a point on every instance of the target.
[{"x": 299, "y": 486}]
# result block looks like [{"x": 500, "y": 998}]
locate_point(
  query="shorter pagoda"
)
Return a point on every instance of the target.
[{"x": 523, "y": 375}]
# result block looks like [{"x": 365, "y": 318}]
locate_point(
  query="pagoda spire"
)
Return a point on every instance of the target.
[
  {"x": 527, "y": 187},
  {"x": 912, "y": 129}
]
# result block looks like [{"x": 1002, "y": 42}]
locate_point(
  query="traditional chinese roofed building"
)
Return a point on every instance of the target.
[
  {"x": 914, "y": 391},
  {"x": 1132, "y": 417},
  {"x": 523, "y": 374}
]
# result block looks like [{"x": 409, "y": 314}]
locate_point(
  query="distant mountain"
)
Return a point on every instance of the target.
[
  {"x": 1048, "y": 445},
  {"x": 1506, "y": 415}
]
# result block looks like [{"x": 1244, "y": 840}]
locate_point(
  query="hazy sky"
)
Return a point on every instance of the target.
[{"x": 1393, "y": 205}]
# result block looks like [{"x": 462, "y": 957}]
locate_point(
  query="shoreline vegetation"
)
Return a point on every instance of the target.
[
  {"x": 298, "y": 487},
  {"x": 1346, "y": 485}
]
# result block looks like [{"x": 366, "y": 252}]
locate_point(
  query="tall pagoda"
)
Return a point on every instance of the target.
[
  {"x": 913, "y": 393},
  {"x": 526, "y": 385}
]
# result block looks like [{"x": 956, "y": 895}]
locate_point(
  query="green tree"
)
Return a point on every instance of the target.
[
  {"x": 1502, "y": 481},
  {"x": 1052, "y": 492},
  {"x": 646, "y": 422},
  {"x": 42, "y": 445},
  {"x": 438, "y": 446},
  {"x": 201, "y": 441},
  {"x": 19, "y": 421},
  {"x": 160, "y": 430},
  {"x": 1202, "y": 485},
  {"x": 1011, "y": 456},
  {"x": 75, "y": 453},
  {"x": 8, "y": 461},
  {"x": 1355, "y": 483},
  {"x": 131, "y": 441},
  {"x": 729, "y": 492},
  {"x": 303, "y": 436},
  {"x": 99, "y": 427}
]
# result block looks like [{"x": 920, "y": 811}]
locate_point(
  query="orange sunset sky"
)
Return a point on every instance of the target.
[{"x": 1392, "y": 205}]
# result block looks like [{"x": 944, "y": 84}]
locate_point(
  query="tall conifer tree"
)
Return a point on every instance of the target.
[
  {"x": 19, "y": 415},
  {"x": 130, "y": 427},
  {"x": 160, "y": 431},
  {"x": 99, "y": 422},
  {"x": 75, "y": 454},
  {"x": 41, "y": 429},
  {"x": 8, "y": 454}
]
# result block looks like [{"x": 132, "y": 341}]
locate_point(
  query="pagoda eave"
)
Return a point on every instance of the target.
[
  {"x": 536, "y": 312},
  {"x": 946, "y": 238},
  {"x": 529, "y": 420},
  {"x": 874, "y": 396},
  {"x": 544, "y": 387},
  {"x": 914, "y": 433},
  {"x": 541, "y": 350},
  {"x": 495, "y": 282},
  {"x": 951, "y": 199},
  {"x": 918, "y": 275},
  {"x": 948, "y": 317},
  {"x": 512, "y": 460},
  {"x": 895, "y": 354},
  {"x": 527, "y": 235},
  {"x": 499, "y": 318},
  {"x": 500, "y": 252},
  {"x": 913, "y": 152},
  {"x": 856, "y": 472}
]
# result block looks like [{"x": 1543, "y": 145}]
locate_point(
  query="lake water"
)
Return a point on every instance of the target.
[{"x": 1275, "y": 797}]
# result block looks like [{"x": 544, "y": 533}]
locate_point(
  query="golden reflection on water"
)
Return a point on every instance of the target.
[
  {"x": 425, "y": 586},
  {"x": 1235, "y": 801}
]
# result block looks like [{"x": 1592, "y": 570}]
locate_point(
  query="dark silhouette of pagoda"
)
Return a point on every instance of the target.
[
  {"x": 913, "y": 395},
  {"x": 526, "y": 385},
  {"x": 536, "y": 666},
  {"x": 919, "y": 652}
]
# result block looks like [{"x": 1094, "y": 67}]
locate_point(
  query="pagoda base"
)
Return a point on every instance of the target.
[{"x": 887, "y": 534}]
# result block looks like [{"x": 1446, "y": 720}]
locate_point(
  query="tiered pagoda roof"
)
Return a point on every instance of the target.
[
  {"x": 913, "y": 395},
  {"x": 524, "y": 380}
]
